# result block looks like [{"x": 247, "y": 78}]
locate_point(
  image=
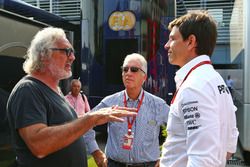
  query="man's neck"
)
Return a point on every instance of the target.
[
  {"x": 133, "y": 94},
  {"x": 187, "y": 59}
]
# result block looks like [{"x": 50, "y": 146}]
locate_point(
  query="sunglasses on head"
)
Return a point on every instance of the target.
[
  {"x": 132, "y": 69},
  {"x": 68, "y": 51}
]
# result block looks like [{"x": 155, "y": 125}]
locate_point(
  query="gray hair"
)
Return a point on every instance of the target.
[
  {"x": 140, "y": 58},
  {"x": 39, "y": 48},
  {"x": 75, "y": 80}
]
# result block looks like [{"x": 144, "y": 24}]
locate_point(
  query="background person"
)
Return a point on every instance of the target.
[
  {"x": 79, "y": 102},
  {"x": 77, "y": 99},
  {"x": 230, "y": 84},
  {"x": 45, "y": 129},
  {"x": 135, "y": 142},
  {"x": 201, "y": 126}
]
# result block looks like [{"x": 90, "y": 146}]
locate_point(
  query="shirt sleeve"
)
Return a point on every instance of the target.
[
  {"x": 233, "y": 132},
  {"x": 201, "y": 123},
  {"x": 30, "y": 109},
  {"x": 89, "y": 138},
  {"x": 163, "y": 111},
  {"x": 100, "y": 105},
  {"x": 87, "y": 107}
]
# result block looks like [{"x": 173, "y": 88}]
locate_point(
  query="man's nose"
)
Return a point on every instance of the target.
[
  {"x": 166, "y": 46},
  {"x": 72, "y": 56}
]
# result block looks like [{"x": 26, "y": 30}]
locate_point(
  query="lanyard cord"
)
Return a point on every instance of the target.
[
  {"x": 130, "y": 123},
  {"x": 192, "y": 69}
]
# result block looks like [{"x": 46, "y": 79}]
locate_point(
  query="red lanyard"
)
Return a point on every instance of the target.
[
  {"x": 130, "y": 123},
  {"x": 196, "y": 66}
]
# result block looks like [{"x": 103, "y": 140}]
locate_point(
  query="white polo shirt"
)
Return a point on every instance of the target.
[{"x": 201, "y": 124}]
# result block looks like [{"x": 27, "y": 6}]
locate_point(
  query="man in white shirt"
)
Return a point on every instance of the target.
[{"x": 201, "y": 125}]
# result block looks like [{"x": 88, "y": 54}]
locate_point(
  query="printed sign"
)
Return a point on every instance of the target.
[{"x": 122, "y": 21}]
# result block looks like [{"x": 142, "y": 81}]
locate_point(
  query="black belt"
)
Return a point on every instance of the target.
[{"x": 122, "y": 164}]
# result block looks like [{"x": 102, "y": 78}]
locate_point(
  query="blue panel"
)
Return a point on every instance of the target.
[{"x": 160, "y": 73}]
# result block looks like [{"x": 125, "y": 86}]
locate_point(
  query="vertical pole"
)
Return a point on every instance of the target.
[{"x": 50, "y": 6}]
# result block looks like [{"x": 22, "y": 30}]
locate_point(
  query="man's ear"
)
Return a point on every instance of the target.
[
  {"x": 192, "y": 43},
  {"x": 145, "y": 77}
]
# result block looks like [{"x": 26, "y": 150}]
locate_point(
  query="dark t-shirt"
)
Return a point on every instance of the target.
[{"x": 32, "y": 102}]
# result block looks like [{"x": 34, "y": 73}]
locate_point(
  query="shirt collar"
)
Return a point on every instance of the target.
[
  {"x": 182, "y": 72},
  {"x": 139, "y": 97}
]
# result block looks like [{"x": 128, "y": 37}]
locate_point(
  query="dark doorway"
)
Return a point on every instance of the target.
[{"x": 116, "y": 51}]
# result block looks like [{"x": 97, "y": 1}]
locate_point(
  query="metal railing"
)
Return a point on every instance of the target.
[
  {"x": 67, "y": 9},
  {"x": 221, "y": 10}
]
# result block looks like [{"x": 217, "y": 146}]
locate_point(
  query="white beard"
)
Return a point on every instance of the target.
[{"x": 57, "y": 72}]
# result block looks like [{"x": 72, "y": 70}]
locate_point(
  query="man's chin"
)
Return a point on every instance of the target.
[
  {"x": 128, "y": 86},
  {"x": 66, "y": 76},
  {"x": 170, "y": 60}
]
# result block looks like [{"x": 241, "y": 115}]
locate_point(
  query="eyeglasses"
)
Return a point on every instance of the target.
[
  {"x": 132, "y": 69},
  {"x": 68, "y": 51}
]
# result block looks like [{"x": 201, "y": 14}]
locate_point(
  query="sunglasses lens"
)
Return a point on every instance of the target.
[
  {"x": 69, "y": 51},
  {"x": 134, "y": 69},
  {"x": 125, "y": 69}
]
